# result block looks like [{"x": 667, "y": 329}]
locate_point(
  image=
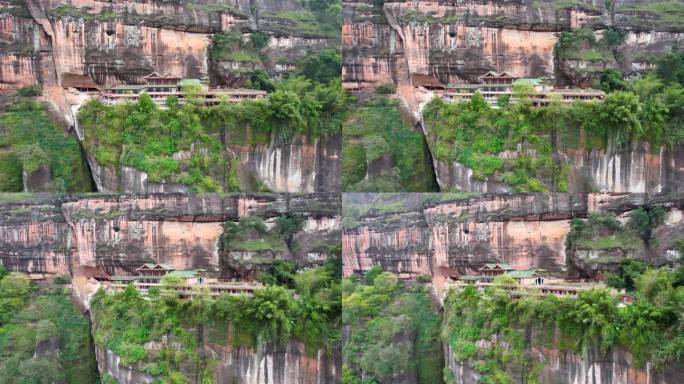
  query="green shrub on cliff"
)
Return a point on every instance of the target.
[
  {"x": 394, "y": 331},
  {"x": 251, "y": 234},
  {"x": 43, "y": 337},
  {"x": 374, "y": 130},
  {"x": 29, "y": 139},
  {"x": 231, "y": 46},
  {"x": 475, "y": 134}
]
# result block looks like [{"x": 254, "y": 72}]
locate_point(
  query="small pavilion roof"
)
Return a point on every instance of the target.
[
  {"x": 497, "y": 75},
  {"x": 492, "y": 266},
  {"x": 154, "y": 266},
  {"x": 157, "y": 75}
]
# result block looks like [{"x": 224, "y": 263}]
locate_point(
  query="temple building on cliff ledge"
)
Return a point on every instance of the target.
[
  {"x": 495, "y": 85},
  {"x": 186, "y": 283},
  {"x": 530, "y": 282},
  {"x": 160, "y": 87}
]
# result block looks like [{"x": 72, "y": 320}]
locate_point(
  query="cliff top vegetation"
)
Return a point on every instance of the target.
[
  {"x": 478, "y": 135},
  {"x": 309, "y": 312}
]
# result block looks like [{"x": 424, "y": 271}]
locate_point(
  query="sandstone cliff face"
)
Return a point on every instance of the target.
[
  {"x": 49, "y": 41},
  {"x": 458, "y": 41},
  {"x": 590, "y": 367},
  {"x": 35, "y": 237},
  {"x": 57, "y": 235},
  {"x": 635, "y": 168},
  {"x": 266, "y": 364},
  {"x": 299, "y": 166},
  {"x": 125, "y": 40},
  {"x": 270, "y": 364},
  {"x": 527, "y": 231}
]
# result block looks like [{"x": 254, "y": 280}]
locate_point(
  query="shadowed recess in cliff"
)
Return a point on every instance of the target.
[
  {"x": 36, "y": 153},
  {"x": 45, "y": 338},
  {"x": 381, "y": 151}
]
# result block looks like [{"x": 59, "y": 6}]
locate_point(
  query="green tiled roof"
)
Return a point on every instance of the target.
[
  {"x": 521, "y": 274},
  {"x": 183, "y": 274}
]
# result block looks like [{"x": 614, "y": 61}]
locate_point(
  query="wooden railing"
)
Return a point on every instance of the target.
[
  {"x": 538, "y": 290},
  {"x": 194, "y": 289}
]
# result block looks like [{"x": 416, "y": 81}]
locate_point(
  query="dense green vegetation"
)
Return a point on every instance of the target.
[
  {"x": 394, "y": 331},
  {"x": 233, "y": 46},
  {"x": 650, "y": 328},
  {"x": 581, "y": 44},
  {"x": 375, "y": 130},
  {"x": 357, "y": 206},
  {"x": 29, "y": 139},
  {"x": 655, "y": 14},
  {"x": 602, "y": 231},
  {"x": 146, "y": 137},
  {"x": 319, "y": 18},
  {"x": 248, "y": 234},
  {"x": 476, "y": 134},
  {"x": 43, "y": 337},
  {"x": 125, "y": 321}
]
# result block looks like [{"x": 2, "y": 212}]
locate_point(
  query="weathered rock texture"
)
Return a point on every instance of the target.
[
  {"x": 527, "y": 231},
  {"x": 270, "y": 364},
  {"x": 115, "y": 42},
  {"x": 49, "y": 41},
  {"x": 267, "y": 364},
  {"x": 615, "y": 366},
  {"x": 458, "y": 41},
  {"x": 301, "y": 165},
  {"x": 57, "y": 235},
  {"x": 298, "y": 166},
  {"x": 634, "y": 167}
]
